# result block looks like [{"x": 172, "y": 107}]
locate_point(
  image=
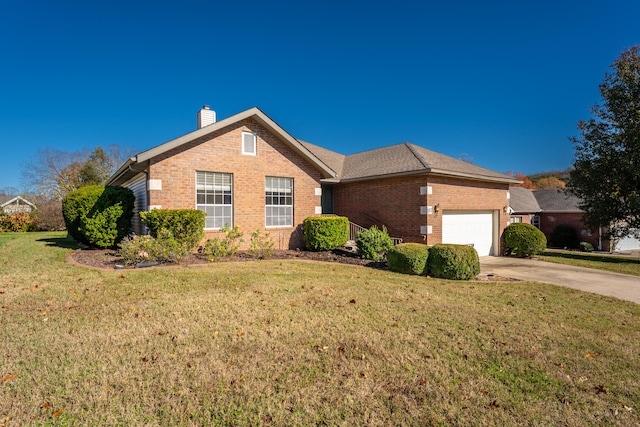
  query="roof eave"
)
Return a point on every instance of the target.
[{"x": 475, "y": 177}]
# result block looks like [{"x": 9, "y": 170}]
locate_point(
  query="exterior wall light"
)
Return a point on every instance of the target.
[{"x": 436, "y": 208}]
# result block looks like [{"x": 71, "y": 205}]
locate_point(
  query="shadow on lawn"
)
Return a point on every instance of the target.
[
  {"x": 61, "y": 242},
  {"x": 598, "y": 258}
]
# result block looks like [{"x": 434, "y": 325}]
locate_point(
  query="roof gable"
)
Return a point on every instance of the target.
[
  {"x": 128, "y": 170},
  {"x": 522, "y": 200},
  {"x": 8, "y": 200}
]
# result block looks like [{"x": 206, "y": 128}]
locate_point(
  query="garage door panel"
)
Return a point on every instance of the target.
[{"x": 469, "y": 228}]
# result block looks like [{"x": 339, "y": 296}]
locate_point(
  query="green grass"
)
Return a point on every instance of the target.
[
  {"x": 302, "y": 343},
  {"x": 616, "y": 264},
  {"x": 7, "y": 237}
]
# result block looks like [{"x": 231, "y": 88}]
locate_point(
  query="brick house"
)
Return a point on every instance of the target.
[
  {"x": 248, "y": 171},
  {"x": 15, "y": 204}
]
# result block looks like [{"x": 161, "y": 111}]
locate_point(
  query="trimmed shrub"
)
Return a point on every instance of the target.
[
  {"x": 453, "y": 262},
  {"x": 564, "y": 236},
  {"x": 325, "y": 233},
  {"x": 586, "y": 247},
  {"x": 98, "y": 216},
  {"x": 524, "y": 240},
  {"x": 408, "y": 258},
  {"x": 373, "y": 243},
  {"x": 185, "y": 225},
  {"x": 17, "y": 221}
]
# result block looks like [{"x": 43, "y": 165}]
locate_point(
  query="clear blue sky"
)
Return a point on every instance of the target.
[{"x": 502, "y": 83}]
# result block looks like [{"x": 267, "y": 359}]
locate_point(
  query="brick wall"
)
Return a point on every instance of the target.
[
  {"x": 395, "y": 203},
  {"x": 550, "y": 220},
  {"x": 222, "y": 152}
]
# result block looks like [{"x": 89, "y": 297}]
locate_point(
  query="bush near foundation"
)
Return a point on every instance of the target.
[
  {"x": 408, "y": 258},
  {"x": 185, "y": 225},
  {"x": 373, "y": 243},
  {"x": 524, "y": 240},
  {"x": 98, "y": 216},
  {"x": 325, "y": 233},
  {"x": 564, "y": 236},
  {"x": 586, "y": 247},
  {"x": 454, "y": 262}
]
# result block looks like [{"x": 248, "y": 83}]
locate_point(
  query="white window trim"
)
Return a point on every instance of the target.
[
  {"x": 287, "y": 206},
  {"x": 205, "y": 204},
  {"x": 255, "y": 144}
]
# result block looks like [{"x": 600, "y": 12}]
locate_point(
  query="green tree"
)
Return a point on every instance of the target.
[
  {"x": 606, "y": 175},
  {"x": 97, "y": 169}
]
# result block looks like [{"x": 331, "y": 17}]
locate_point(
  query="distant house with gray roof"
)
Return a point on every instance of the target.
[
  {"x": 524, "y": 206},
  {"x": 247, "y": 170},
  {"x": 13, "y": 204}
]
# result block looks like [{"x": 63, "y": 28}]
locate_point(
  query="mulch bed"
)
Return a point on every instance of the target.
[{"x": 107, "y": 259}]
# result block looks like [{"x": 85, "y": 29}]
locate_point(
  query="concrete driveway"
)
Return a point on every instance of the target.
[{"x": 621, "y": 286}]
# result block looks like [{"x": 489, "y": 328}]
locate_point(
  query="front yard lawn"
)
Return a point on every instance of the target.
[
  {"x": 616, "y": 264},
  {"x": 285, "y": 342}
]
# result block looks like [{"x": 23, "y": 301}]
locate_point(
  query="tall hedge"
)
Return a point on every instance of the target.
[
  {"x": 185, "y": 225},
  {"x": 524, "y": 239},
  {"x": 408, "y": 258},
  {"x": 454, "y": 262},
  {"x": 98, "y": 216},
  {"x": 325, "y": 233}
]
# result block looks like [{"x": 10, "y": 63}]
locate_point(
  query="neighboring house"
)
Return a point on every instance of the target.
[
  {"x": 524, "y": 206},
  {"x": 248, "y": 171},
  {"x": 560, "y": 207},
  {"x": 9, "y": 204}
]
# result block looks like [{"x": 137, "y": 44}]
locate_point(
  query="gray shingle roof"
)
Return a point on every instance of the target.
[
  {"x": 557, "y": 201},
  {"x": 400, "y": 159},
  {"x": 395, "y": 160},
  {"x": 523, "y": 201},
  {"x": 332, "y": 159}
]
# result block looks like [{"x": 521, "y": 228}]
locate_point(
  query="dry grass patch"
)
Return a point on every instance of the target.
[{"x": 300, "y": 343}]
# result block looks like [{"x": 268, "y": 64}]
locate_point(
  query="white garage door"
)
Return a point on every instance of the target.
[
  {"x": 469, "y": 228},
  {"x": 628, "y": 243}
]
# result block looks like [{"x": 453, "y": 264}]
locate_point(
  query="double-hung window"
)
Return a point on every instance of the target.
[
  {"x": 279, "y": 201},
  {"x": 214, "y": 196}
]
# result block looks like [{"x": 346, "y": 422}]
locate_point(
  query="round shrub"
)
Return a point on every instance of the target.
[
  {"x": 408, "y": 258},
  {"x": 586, "y": 247},
  {"x": 524, "y": 239},
  {"x": 453, "y": 262},
  {"x": 325, "y": 233},
  {"x": 185, "y": 225},
  {"x": 564, "y": 236},
  {"x": 373, "y": 243},
  {"x": 98, "y": 216}
]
